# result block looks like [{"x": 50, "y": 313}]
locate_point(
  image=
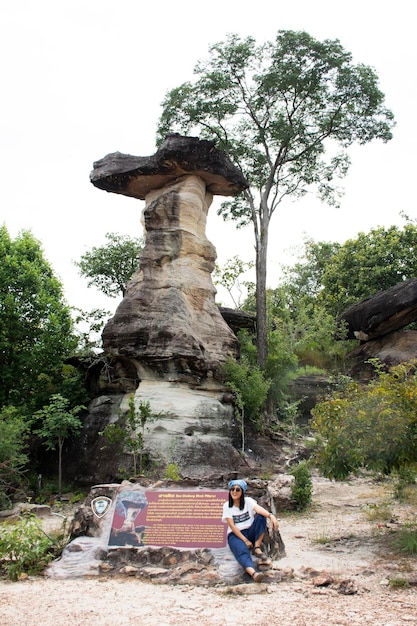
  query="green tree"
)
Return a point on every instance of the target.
[
  {"x": 372, "y": 427},
  {"x": 282, "y": 111},
  {"x": 250, "y": 387},
  {"x": 88, "y": 328},
  {"x": 58, "y": 423},
  {"x": 36, "y": 329},
  {"x": 13, "y": 457},
  {"x": 369, "y": 263},
  {"x": 130, "y": 432},
  {"x": 109, "y": 267},
  {"x": 303, "y": 281},
  {"x": 228, "y": 277}
]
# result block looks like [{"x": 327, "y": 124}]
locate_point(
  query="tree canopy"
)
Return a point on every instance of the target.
[
  {"x": 369, "y": 263},
  {"x": 36, "y": 329},
  {"x": 285, "y": 111},
  {"x": 109, "y": 267}
]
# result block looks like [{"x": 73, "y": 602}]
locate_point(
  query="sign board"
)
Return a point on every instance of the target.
[{"x": 181, "y": 519}]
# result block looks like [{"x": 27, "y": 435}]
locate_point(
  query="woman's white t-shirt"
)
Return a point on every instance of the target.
[{"x": 243, "y": 518}]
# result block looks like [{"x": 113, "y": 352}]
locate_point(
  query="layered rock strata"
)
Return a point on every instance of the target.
[{"x": 168, "y": 324}]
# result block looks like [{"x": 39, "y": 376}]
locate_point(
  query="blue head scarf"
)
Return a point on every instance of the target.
[{"x": 239, "y": 483}]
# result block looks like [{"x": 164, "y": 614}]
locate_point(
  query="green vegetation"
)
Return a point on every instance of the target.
[
  {"x": 172, "y": 472},
  {"x": 371, "y": 427},
  {"x": 58, "y": 422},
  {"x": 109, "y": 267},
  {"x": 26, "y": 549},
  {"x": 285, "y": 111},
  {"x": 129, "y": 432},
  {"x": 406, "y": 540},
  {"x": 13, "y": 457},
  {"x": 302, "y": 487},
  {"x": 36, "y": 329}
]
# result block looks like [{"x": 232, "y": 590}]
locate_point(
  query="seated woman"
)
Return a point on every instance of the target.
[{"x": 246, "y": 526}]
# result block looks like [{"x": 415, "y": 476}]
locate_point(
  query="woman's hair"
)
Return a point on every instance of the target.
[{"x": 241, "y": 501}]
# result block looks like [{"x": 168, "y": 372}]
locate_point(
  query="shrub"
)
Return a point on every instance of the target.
[
  {"x": 407, "y": 540},
  {"x": 302, "y": 487},
  {"x": 372, "y": 427},
  {"x": 25, "y": 548}
]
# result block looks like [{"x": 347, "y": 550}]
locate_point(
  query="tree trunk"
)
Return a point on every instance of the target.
[
  {"x": 261, "y": 264},
  {"x": 60, "y": 445}
]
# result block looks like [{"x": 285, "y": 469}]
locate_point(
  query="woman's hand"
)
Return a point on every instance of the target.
[
  {"x": 274, "y": 521},
  {"x": 248, "y": 543}
]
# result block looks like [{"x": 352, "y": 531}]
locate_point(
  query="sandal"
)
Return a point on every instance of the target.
[
  {"x": 257, "y": 551},
  {"x": 258, "y": 577}
]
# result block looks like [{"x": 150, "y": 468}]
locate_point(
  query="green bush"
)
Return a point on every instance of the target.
[
  {"x": 406, "y": 541},
  {"x": 172, "y": 472},
  {"x": 302, "y": 487},
  {"x": 25, "y": 548},
  {"x": 371, "y": 427}
]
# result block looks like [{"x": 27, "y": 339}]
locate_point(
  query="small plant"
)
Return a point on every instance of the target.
[
  {"x": 322, "y": 538},
  {"x": 405, "y": 478},
  {"x": 398, "y": 583},
  {"x": 130, "y": 432},
  {"x": 302, "y": 487},
  {"x": 25, "y": 548},
  {"x": 172, "y": 472},
  {"x": 379, "y": 512},
  {"x": 407, "y": 540},
  {"x": 58, "y": 423}
]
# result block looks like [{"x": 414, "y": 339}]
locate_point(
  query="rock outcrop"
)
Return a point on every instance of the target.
[
  {"x": 378, "y": 323},
  {"x": 168, "y": 327},
  {"x": 383, "y": 312}
]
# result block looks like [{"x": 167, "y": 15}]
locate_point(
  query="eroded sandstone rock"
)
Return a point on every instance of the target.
[
  {"x": 168, "y": 325},
  {"x": 383, "y": 312}
]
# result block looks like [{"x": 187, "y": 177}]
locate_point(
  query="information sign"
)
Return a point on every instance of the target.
[{"x": 182, "y": 519}]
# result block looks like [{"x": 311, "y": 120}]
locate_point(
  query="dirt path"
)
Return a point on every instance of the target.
[{"x": 340, "y": 576}]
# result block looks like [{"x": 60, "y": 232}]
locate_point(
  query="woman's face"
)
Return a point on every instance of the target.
[{"x": 236, "y": 492}]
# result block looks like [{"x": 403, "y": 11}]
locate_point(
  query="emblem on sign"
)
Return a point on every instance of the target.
[{"x": 100, "y": 505}]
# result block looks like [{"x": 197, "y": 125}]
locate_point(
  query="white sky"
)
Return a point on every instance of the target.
[{"x": 84, "y": 78}]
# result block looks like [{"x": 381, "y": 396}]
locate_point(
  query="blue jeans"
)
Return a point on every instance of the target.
[{"x": 238, "y": 547}]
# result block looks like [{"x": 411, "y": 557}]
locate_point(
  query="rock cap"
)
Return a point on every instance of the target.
[{"x": 177, "y": 156}]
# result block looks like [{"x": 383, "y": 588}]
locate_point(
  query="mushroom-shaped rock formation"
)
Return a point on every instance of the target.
[{"x": 168, "y": 323}]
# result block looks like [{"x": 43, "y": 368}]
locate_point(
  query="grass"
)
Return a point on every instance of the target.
[
  {"x": 398, "y": 583},
  {"x": 382, "y": 512}
]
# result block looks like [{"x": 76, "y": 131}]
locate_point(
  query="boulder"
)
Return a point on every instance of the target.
[
  {"x": 397, "y": 347},
  {"x": 382, "y": 313},
  {"x": 238, "y": 320}
]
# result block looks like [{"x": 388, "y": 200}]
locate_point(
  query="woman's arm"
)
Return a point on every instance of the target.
[
  {"x": 235, "y": 530},
  {"x": 261, "y": 511}
]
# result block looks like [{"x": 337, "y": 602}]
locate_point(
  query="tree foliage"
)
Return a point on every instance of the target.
[
  {"x": 36, "y": 329},
  {"x": 285, "y": 111},
  {"x": 58, "y": 422},
  {"x": 250, "y": 387},
  {"x": 229, "y": 277},
  {"x": 129, "y": 432},
  {"x": 372, "y": 427},
  {"x": 14, "y": 431},
  {"x": 369, "y": 263},
  {"x": 109, "y": 267}
]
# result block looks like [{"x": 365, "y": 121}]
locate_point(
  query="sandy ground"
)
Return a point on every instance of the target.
[{"x": 338, "y": 540}]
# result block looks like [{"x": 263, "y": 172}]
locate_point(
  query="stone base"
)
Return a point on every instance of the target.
[{"x": 192, "y": 427}]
